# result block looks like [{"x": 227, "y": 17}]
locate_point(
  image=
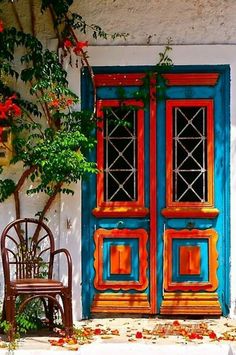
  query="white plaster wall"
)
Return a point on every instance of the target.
[
  {"x": 153, "y": 21},
  {"x": 149, "y": 23}
]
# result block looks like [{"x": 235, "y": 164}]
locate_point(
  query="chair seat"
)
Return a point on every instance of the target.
[{"x": 37, "y": 285}]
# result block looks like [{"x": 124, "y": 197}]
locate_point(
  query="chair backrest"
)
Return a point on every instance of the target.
[{"x": 27, "y": 247}]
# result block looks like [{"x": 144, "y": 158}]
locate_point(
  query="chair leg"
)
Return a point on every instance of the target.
[
  {"x": 68, "y": 319},
  {"x": 10, "y": 316},
  {"x": 3, "y": 317},
  {"x": 50, "y": 313}
]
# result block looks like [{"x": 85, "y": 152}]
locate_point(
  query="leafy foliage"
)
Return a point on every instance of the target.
[
  {"x": 61, "y": 7},
  {"x": 31, "y": 317},
  {"x": 49, "y": 137},
  {"x": 7, "y": 187}
]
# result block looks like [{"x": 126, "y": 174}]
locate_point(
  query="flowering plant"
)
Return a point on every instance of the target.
[
  {"x": 9, "y": 109},
  {"x": 50, "y": 138}
]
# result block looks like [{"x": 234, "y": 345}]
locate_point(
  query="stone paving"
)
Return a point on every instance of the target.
[{"x": 143, "y": 331}]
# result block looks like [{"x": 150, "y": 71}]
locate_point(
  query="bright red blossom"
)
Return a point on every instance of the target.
[
  {"x": 9, "y": 108},
  {"x": 55, "y": 103},
  {"x": 67, "y": 43},
  {"x": 79, "y": 47},
  {"x": 63, "y": 341},
  {"x": 1, "y": 132},
  {"x": 138, "y": 335},
  {"x": 97, "y": 331},
  {"x": 176, "y": 323},
  {"x": 212, "y": 335},
  {"x": 69, "y": 102},
  {"x": 1, "y": 26},
  {"x": 3, "y": 112},
  {"x": 195, "y": 336}
]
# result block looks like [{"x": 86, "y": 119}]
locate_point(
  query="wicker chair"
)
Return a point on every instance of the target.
[{"x": 28, "y": 253}]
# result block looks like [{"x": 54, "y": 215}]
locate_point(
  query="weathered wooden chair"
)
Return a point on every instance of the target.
[{"x": 28, "y": 253}]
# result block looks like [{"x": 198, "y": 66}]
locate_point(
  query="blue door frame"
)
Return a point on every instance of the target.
[{"x": 221, "y": 224}]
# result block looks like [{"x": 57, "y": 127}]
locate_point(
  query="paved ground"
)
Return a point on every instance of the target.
[{"x": 144, "y": 331}]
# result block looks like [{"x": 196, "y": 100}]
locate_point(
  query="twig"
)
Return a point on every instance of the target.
[
  {"x": 101, "y": 33},
  {"x": 50, "y": 201},
  {"x": 19, "y": 185},
  {"x": 33, "y": 121},
  {"x": 90, "y": 69},
  {"x": 17, "y": 16},
  {"x": 47, "y": 114},
  {"x": 32, "y": 17},
  {"x": 46, "y": 208},
  {"x": 55, "y": 26},
  {"x": 17, "y": 204},
  {"x": 6, "y": 147}
]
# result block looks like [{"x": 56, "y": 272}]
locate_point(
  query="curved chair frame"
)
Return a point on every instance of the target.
[{"x": 28, "y": 255}]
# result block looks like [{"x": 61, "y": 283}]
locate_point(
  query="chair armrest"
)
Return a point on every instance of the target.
[{"x": 69, "y": 263}]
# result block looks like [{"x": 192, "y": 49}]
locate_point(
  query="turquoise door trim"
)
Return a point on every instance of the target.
[{"x": 221, "y": 94}]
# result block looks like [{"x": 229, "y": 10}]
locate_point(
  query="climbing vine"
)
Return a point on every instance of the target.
[
  {"x": 39, "y": 126},
  {"x": 48, "y": 135}
]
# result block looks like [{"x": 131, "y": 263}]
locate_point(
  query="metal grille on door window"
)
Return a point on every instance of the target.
[
  {"x": 189, "y": 154},
  {"x": 120, "y": 154}
]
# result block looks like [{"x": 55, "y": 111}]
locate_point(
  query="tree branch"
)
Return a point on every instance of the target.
[
  {"x": 50, "y": 201},
  {"x": 46, "y": 208},
  {"x": 32, "y": 17},
  {"x": 19, "y": 185},
  {"x": 16, "y": 16},
  {"x": 55, "y": 26}
]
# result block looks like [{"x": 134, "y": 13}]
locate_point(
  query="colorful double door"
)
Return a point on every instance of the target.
[{"x": 155, "y": 237}]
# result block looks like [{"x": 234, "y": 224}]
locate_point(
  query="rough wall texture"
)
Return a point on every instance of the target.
[
  {"x": 186, "y": 22},
  {"x": 147, "y": 21}
]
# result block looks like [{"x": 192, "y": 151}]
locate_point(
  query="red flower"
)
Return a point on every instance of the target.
[
  {"x": 212, "y": 335},
  {"x": 16, "y": 110},
  {"x": 195, "y": 336},
  {"x": 1, "y": 26},
  {"x": 3, "y": 112},
  {"x": 67, "y": 43},
  {"x": 138, "y": 335},
  {"x": 1, "y": 132},
  {"x": 79, "y": 46},
  {"x": 69, "y": 102},
  {"x": 97, "y": 331},
  {"x": 9, "y": 108},
  {"x": 176, "y": 323},
  {"x": 55, "y": 103},
  {"x": 59, "y": 342}
]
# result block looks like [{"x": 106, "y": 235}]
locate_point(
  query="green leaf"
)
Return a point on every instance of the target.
[
  {"x": 7, "y": 187},
  {"x": 27, "y": 74}
]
